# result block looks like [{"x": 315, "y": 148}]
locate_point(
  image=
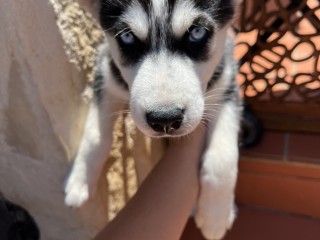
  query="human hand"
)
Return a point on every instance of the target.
[{"x": 191, "y": 144}]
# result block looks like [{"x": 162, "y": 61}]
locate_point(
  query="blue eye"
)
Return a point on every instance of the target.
[
  {"x": 127, "y": 38},
  {"x": 197, "y": 34}
]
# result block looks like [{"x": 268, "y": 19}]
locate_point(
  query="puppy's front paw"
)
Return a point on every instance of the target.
[
  {"x": 215, "y": 214},
  {"x": 76, "y": 191},
  {"x": 214, "y": 226},
  {"x": 215, "y": 221}
]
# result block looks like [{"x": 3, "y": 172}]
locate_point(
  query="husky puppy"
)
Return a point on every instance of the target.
[{"x": 172, "y": 61}]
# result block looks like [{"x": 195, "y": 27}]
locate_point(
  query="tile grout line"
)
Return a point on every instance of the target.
[{"x": 286, "y": 147}]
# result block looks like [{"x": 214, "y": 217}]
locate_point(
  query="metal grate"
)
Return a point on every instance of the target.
[{"x": 279, "y": 50}]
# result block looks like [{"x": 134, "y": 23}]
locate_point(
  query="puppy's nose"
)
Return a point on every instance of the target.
[{"x": 165, "y": 120}]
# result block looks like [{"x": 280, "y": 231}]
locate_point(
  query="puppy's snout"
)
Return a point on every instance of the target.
[{"x": 165, "y": 120}]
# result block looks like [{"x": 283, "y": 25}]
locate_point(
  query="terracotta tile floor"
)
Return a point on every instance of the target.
[{"x": 260, "y": 224}]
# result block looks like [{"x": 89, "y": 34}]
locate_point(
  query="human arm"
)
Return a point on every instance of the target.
[{"x": 163, "y": 204}]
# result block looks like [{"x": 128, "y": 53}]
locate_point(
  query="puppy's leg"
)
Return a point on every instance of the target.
[
  {"x": 215, "y": 213},
  {"x": 93, "y": 152}
]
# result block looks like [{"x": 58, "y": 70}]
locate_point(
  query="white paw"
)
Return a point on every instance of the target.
[
  {"x": 214, "y": 221},
  {"x": 215, "y": 212},
  {"x": 76, "y": 191}
]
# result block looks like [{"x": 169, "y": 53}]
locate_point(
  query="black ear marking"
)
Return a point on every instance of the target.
[
  {"x": 99, "y": 81},
  {"x": 97, "y": 86}
]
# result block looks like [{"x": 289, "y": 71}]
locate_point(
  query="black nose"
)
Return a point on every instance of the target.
[{"x": 165, "y": 120}]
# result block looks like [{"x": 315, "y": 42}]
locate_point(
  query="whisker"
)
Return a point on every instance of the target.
[
  {"x": 206, "y": 109},
  {"x": 212, "y": 104},
  {"x": 123, "y": 31},
  {"x": 124, "y": 102},
  {"x": 214, "y": 95},
  {"x": 203, "y": 125},
  {"x": 214, "y": 90},
  {"x": 209, "y": 115},
  {"x": 116, "y": 114},
  {"x": 211, "y": 110}
]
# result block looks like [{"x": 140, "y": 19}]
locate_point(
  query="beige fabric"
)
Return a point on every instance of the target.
[
  {"x": 81, "y": 34},
  {"x": 42, "y": 113}
]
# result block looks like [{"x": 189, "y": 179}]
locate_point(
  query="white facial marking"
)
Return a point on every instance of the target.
[
  {"x": 183, "y": 16},
  {"x": 159, "y": 7},
  {"x": 137, "y": 20},
  {"x": 167, "y": 81}
]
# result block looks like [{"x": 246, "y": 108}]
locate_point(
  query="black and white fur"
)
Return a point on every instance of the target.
[{"x": 172, "y": 61}]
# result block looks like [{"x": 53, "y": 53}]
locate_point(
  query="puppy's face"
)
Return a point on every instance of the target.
[{"x": 166, "y": 52}]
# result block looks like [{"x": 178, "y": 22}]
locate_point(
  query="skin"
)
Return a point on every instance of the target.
[{"x": 162, "y": 205}]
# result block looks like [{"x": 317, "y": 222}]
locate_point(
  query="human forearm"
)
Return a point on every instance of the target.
[{"x": 164, "y": 202}]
